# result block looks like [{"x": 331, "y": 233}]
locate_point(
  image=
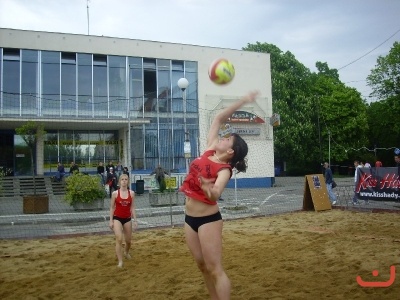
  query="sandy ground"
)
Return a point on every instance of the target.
[{"x": 303, "y": 255}]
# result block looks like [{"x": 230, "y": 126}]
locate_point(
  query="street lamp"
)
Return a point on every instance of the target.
[
  {"x": 129, "y": 158},
  {"x": 183, "y": 83}
]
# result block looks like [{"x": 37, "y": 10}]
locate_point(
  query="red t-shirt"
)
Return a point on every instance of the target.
[
  {"x": 201, "y": 166},
  {"x": 123, "y": 206}
]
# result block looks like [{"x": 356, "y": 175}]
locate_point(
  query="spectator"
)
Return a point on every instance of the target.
[
  {"x": 356, "y": 166},
  {"x": 60, "y": 171},
  {"x": 397, "y": 161},
  {"x": 328, "y": 181},
  {"x": 112, "y": 181},
  {"x": 378, "y": 164},
  {"x": 74, "y": 168},
  {"x": 160, "y": 174},
  {"x": 110, "y": 165},
  {"x": 118, "y": 169},
  {"x": 125, "y": 171},
  {"x": 100, "y": 171}
]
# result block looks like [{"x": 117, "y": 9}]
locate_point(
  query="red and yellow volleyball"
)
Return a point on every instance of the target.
[{"x": 221, "y": 71}]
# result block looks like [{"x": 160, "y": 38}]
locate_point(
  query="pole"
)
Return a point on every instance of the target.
[
  {"x": 319, "y": 134},
  {"x": 183, "y": 83},
  {"x": 129, "y": 136},
  {"x": 236, "y": 200},
  {"x": 87, "y": 8},
  {"x": 186, "y": 143}
]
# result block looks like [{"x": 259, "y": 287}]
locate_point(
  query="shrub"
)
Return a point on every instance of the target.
[{"x": 83, "y": 188}]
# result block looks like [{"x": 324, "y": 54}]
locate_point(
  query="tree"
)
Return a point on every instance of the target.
[
  {"x": 343, "y": 114},
  {"x": 382, "y": 121},
  {"x": 292, "y": 99},
  {"x": 384, "y": 114},
  {"x": 31, "y": 132},
  {"x": 313, "y": 107},
  {"x": 385, "y": 78}
]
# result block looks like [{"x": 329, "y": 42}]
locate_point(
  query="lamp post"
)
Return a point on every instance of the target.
[
  {"x": 129, "y": 158},
  {"x": 183, "y": 83}
]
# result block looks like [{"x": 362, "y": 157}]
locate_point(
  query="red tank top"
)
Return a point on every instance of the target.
[
  {"x": 201, "y": 166},
  {"x": 123, "y": 206}
]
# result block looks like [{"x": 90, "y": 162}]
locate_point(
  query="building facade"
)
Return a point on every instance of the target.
[{"x": 105, "y": 99}]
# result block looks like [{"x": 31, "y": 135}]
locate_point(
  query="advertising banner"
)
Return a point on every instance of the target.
[{"x": 380, "y": 184}]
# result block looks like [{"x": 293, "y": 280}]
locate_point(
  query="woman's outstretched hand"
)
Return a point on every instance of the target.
[{"x": 251, "y": 97}]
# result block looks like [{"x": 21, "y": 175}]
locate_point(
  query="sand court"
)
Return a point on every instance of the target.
[{"x": 301, "y": 255}]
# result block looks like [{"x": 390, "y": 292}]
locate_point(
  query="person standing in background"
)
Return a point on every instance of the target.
[
  {"x": 74, "y": 168},
  {"x": 110, "y": 165},
  {"x": 119, "y": 168},
  {"x": 397, "y": 161},
  {"x": 125, "y": 171},
  {"x": 356, "y": 166},
  {"x": 60, "y": 172},
  {"x": 160, "y": 174},
  {"x": 112, "y": 181},
  {"x": 328, "y": 181},
  {"x": 100, "y": 172}
]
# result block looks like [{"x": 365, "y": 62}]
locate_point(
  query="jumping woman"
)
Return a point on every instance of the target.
[{"x": 208, "y": 175}]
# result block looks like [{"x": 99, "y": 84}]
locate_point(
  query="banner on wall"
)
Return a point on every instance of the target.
[{"x": 381, "y": 184}]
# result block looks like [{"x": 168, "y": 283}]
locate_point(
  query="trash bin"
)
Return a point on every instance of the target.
[{"x": 140, "y": 187}]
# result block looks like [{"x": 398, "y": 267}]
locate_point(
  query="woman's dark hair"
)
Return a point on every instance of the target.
[{"x": 240, "y": 151}]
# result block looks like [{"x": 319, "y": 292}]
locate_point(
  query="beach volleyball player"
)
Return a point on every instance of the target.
[
  {"x": 208, "y": 175},
  {"x": 122, "y": 218}
]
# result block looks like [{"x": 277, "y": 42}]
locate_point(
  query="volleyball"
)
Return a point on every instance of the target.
[{"x": 221, "y": 71}]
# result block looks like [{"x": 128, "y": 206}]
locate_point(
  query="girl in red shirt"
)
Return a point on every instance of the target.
[
  {"x": 207, "y": 178},
  {"x": 122, "y": 210}
]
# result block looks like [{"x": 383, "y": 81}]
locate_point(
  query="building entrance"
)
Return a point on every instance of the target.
[{"x": 7, "y": 152}]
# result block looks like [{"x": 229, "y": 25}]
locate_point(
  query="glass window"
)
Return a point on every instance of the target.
[
  {"x": 149, "y": 84},
  {"x": 135, "y": 86},
  {"x": 177, "y": 101},
  {"x": 137, "y": 149},
  {"x": 68, "y": 84},
  {"x": 99, "y": 60},
  {"x": 151, "y": 147},
  {"x": 111, "y": 146},
  {"x": 163, "y": 64},
  {"x": 68, "y": 58},
  {"x": 11, "y": 81},
  {"x": 117, "y": 75},
  {"x": 177, "y": 65},
  {"x": 66, "y": 148},
  {"x": 81, "y": 142},
  {"x": 50, "y": 151},
  {"x": 164, "y": 91},
  {"x": 149, "y": 63},
  {"x": 85, "y": 104},
  {"x": 11, "y": 54},
  {"x": 50, "y": 83},
  {"x": 100, "y": 98},
  {"x": 191, "y": 93},
  {"x": 96, "y": 141},
  {"x": 191, "y": 67},
  {"x": 29, "y": 82}
]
